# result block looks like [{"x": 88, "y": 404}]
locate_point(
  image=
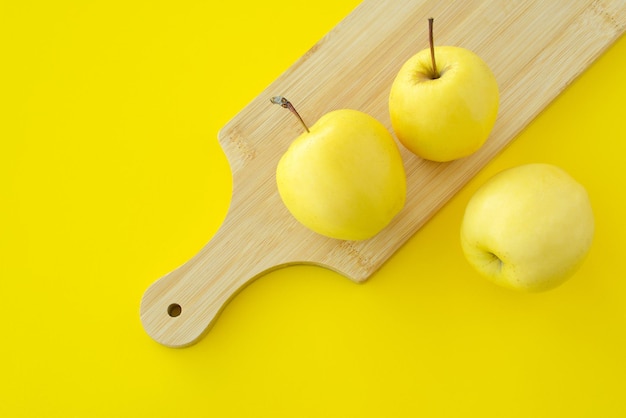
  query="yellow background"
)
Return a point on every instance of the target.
[{"x": 111, "y": 176}]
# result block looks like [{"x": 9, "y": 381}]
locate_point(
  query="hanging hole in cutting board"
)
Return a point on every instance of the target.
[{"x": 174, "y": 310}]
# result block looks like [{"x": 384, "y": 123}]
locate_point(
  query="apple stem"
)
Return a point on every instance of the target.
[
  {"x": 280, "y": 100},
  {"x": 432, "y": 48}
]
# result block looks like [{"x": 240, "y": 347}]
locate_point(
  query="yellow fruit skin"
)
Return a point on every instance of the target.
[
  {"x": 344, "y": 179},
  {"x": 528, "y": 228},
  {"x": 449, "y": 117}
]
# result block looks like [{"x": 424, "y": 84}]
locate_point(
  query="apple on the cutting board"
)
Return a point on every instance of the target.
[
  {"x": 443, "y": 102},
  {"x": 344, "y": 176}
]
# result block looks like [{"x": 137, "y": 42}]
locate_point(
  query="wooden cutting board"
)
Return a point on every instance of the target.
[{"x": 535, "y": 49}]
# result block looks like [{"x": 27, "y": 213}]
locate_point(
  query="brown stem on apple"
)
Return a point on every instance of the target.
[
  {"x": 280, "y": 100},
  {"x": 431, "y": 41}
]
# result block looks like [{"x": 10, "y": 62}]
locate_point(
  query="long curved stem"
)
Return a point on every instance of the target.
[{"x": 280, "y": 100}]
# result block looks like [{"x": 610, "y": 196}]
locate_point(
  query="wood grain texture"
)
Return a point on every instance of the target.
[{"x": 535, "y": 49}]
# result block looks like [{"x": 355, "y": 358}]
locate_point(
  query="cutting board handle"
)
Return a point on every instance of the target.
[{"x": 180, "y": 307}]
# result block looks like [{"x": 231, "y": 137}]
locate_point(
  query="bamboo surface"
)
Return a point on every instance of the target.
[{"x": 535, "y": 49}]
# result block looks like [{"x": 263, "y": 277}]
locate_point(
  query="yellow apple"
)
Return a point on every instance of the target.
[
  {"x": 443, "y": 105},
  {"x": 528, "y": 228},
  {"x": 344, "y": 178}
]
